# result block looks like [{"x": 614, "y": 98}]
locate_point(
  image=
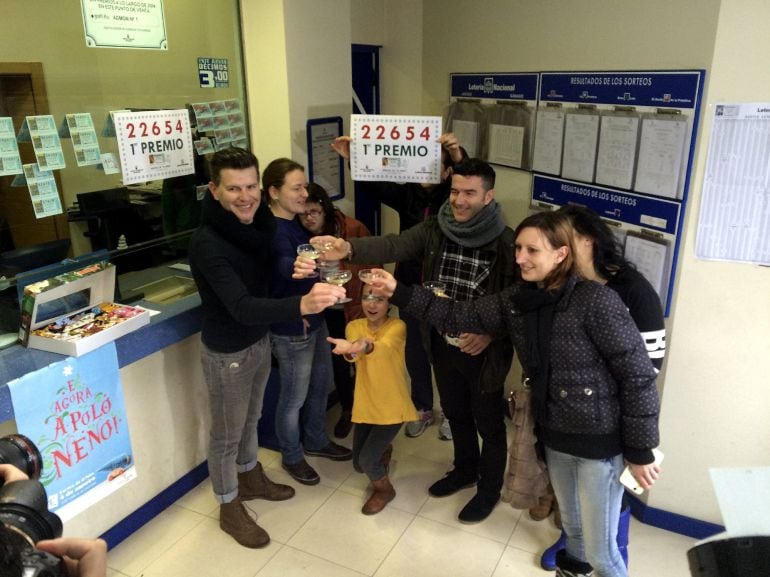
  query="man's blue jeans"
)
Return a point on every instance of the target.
[
  {"x": 236, "y": 384},
  {"x": 589, "y": 495},
  {"x": 305, "y": 367}
]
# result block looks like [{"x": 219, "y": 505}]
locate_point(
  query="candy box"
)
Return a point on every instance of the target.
[{"x": 72, "y": 313}]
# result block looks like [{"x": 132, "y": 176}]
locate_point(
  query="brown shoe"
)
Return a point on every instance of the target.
[
  {"x": 383, "y": 494},
  {"x": 254, "y": 484},
  {"x": 543, "y": 508},
  {"x": 236, "y": 522}
]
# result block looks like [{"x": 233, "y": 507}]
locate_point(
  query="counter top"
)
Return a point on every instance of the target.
[{"x": 175, "y": 322}]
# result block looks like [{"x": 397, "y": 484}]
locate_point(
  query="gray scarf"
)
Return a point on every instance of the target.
[{"x": 479, "y": 231}]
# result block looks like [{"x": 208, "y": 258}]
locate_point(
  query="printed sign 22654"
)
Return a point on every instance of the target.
[
  {"x": 144, "y": 129},
  {"x": 395, "y": 148},
  {"x": 380, "y": 132},
  {"x": 154, "y": 144}
]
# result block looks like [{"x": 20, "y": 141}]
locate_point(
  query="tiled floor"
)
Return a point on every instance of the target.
[{"x": 322, "y": 533}]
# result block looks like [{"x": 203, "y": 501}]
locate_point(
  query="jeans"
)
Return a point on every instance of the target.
[
  {"x": 236, "y": 385},
  {"x": 369, "y": 443},
  {"x": 471, "y": 413},
  {"x": 417, "y": 364},
  {"x": 305, "y": 366},
  {"x": 589, "y": 495}
]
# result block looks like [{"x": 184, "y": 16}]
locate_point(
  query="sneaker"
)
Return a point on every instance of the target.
[
  {"x": 417, "y": 428},
  {"x": 302, "y": 473},
  {"x": 332, "y": 451},
  {"x": 452, "y": 482},
  {"x": 566, "y": 566},
  {"x": 343, "y": 426},
  {"x": 444, "y": 430}
]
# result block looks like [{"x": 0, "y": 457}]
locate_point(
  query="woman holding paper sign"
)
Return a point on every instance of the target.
[{"x": 593, "y": 385}]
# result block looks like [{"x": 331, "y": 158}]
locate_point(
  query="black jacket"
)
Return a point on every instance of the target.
[
  {"x": 230, "y": 263},
  {"x": 602, "y": 399}
]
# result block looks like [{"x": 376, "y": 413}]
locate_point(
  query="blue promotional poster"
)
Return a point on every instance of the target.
[{"x": 74, "y": 412}]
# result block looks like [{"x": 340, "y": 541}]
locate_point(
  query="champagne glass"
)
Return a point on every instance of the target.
[
  {"x": 338, "y": 278},
  {"x": 367, "y": 275},
  {"x": 309, "y": 251},
  {"x": 323, "y": 248},
  {"x": 438, "y": 288}
]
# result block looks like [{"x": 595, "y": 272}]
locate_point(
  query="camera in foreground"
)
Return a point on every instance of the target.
[{"x": 24, "y": 515}]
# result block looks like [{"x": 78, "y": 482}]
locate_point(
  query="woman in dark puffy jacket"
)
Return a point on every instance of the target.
[{"x": 594, "y": 397}]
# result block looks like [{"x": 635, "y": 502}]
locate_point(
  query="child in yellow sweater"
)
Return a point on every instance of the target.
[{"x": 381, "y": 402}]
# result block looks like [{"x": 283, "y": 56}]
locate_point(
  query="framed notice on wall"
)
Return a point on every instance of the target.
[
  {"x": 326, "y": 166},
  {"x": 121, "y": 24}
]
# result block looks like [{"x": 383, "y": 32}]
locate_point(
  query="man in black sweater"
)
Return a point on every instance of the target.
[{"x": 229, "y": 258}]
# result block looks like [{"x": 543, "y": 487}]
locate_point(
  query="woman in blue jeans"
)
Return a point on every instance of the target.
[
  {"x": 594, "y": 397},
  {"x": 304, "y": 358}
]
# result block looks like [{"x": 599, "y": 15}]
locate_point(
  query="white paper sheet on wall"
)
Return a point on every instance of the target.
[
  {"x": 618, "y": 137},
  {"x": 652, "y": 257},
  {"x": 467, "y": 133},
  {"x": 661, "y": 152},
  {"x": 581, "y": 134},
  {"x": 734, "y": 220},
  {"x": 506, "y": 144},
  {"x": 549, "y": 136}
]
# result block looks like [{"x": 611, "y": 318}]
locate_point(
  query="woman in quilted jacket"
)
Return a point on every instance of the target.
[{"x": 594, "y": 397}]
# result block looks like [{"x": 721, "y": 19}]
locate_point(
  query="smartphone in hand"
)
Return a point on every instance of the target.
[{"x": 628, "y": 480}]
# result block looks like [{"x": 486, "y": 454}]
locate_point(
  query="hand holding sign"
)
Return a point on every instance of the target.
[{"x": 395, "y": 148}]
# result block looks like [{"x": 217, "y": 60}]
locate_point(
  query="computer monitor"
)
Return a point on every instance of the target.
[{"x": 99, "y": 202}]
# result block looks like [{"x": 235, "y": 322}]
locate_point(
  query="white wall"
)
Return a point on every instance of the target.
[
  {"x": 297, "y": 59},
  {"x": 714, "y": 399},
  {"x": 366, "y": 22},
  {"x": 266, "y": 73}
]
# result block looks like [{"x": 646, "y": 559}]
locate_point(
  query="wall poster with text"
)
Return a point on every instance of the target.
[{"x": 73, "y": 410}]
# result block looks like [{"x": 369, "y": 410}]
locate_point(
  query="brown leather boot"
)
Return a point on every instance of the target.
[
  {"x": 254, "y": 484},
  {"x": 383, "y": 494},
  {"x": 236, "y": 522},
  {"x": 543, "y": 507}
]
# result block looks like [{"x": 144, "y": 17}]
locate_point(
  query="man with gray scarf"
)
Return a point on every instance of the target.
[{"x": 468, "y": 247}]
